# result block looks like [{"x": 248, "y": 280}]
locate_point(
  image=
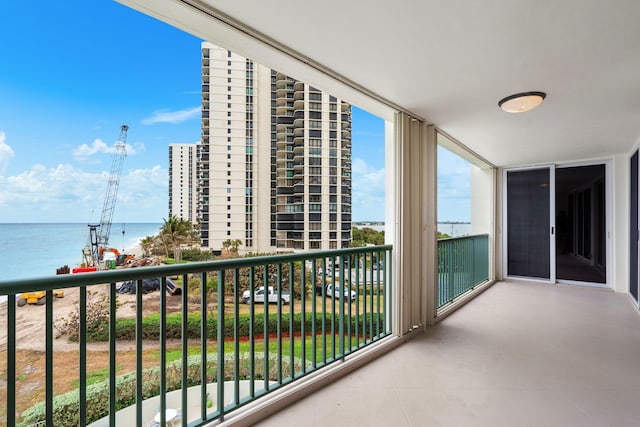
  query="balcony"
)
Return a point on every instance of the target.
[
  {"x": 262, "y": 346},
  {"x": 463, "y": 264},
  {"x": 520, "y": 354}
]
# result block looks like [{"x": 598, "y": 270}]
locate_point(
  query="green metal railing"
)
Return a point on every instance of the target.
[
  {"x": 321, "y": 327},
  {"x": 463, "y": 263}
]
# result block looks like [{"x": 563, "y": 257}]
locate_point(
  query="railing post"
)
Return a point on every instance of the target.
[
  {"x": 450, "y": 272},
  {"x": 82, "y": 340},
  {"x": 112, "y": 353},
  {"x": 11, "y": 360},
  {"x": 139, "y": 356},
  {"x": 220, "y": 339}
]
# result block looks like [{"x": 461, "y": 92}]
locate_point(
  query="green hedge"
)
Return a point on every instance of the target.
[
  {"x": 126, "y": 328},
  {"x": 66, "y": 406}
]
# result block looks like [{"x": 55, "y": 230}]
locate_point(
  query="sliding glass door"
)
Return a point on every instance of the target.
[{"x": 530, "y": 240}]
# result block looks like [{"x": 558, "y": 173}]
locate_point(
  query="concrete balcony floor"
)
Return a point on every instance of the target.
[{"x": 521, "y": 354}]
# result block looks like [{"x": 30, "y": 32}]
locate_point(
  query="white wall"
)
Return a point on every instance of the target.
[{"x": 482, "y": 200}]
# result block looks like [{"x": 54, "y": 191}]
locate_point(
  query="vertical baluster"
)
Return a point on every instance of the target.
[
  {"x": 378, "y": 292},
  {"x": 139, "y": 357},
  {"x": 278, "y": 284},
  {"x": 236, "y": 337},
  {"x": 11, "y": 360},
  {"x": 252, "y": 339},
  {"x": 82, "y": 341},
  {"x": 185, "y": 346},
  {"x": 291, "y": 313},
  {"x": 49, "y": 357},
  {"x": 163, "y": 344},
  {"x": 349, "y": 314},
  {"x": 357, "y": 282},
  {"x": 220, "y": 337},
  {"x": 203, "y": 345},
  {"x": 314, "y": 283},
  {"x": 112, "y": 353},
  {"x": 388, "y": 269},
  {"x": 371, "y": 312},
  {"x": 341, "y": 309},
  {"x": 324, "y": 310},
  {"x": 303, "y": 310},
  {"x": 265, "y": 304}
]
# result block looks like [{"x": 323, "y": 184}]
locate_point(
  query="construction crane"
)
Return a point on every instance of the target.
[{"x": 99, "y": 233}]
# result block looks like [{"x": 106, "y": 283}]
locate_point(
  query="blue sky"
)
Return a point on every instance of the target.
[{"x": 72, "y": 72}]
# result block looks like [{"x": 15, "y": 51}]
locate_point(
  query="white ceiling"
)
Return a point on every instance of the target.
[{"x": 450, "y": 62}]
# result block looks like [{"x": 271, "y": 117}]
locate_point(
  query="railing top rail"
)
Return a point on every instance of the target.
[
  {"x": 448, "y": 239},
  {"x": 110, "y": 276}
]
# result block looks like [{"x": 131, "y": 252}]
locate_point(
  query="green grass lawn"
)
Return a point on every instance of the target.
[{"x": 259, "y": 346}]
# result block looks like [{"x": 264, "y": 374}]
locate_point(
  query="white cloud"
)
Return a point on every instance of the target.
[
  {"x": 6, "y": 152},
  {"x": 454, "y": 187},
  {"x": 68, "y": 194},
  {"x": 84, "y": 151},
  {"x": 367, "y": 196},
  {"x": 163, "y": 116}
]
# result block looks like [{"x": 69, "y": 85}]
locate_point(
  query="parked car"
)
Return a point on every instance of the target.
[
  {"x": 335, "y": 292},
  {"x": 272, "y": 296}
]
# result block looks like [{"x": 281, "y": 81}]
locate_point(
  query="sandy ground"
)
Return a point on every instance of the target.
[{"x": 30, "y": 319}]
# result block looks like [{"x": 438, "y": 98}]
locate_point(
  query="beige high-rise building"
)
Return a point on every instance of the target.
[
  {"x": 183, "y": 179},
  {"x": 275, "y": 161}
]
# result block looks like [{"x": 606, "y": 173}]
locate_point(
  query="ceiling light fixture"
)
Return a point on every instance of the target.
[{"x": 521, "y": 102}]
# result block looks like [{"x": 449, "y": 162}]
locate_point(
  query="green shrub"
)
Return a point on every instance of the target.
[
  {"x": 65, "y": 406},
  {"x": 126, "y": 328}
]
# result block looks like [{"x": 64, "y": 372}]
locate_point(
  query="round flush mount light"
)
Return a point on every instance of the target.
[{"x": 521, "y": 102}]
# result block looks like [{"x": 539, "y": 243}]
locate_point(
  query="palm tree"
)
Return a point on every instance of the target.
[
  {"x": 147, "y": 245},
  {"x": 231, "y": 246},
  {"x": 176, "y": 232}
]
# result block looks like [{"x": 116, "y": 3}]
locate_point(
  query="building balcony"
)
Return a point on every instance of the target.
[
  {"x": 334, "y": 324},
  {"x": 520, "y": 354}
]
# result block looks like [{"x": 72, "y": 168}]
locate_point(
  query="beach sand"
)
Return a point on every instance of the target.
[{"x": 30, "y": 319}]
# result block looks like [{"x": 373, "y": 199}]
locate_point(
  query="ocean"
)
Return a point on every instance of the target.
[
  {"x": 453, "y": 229},
  {"x": 36, "y": 250}
]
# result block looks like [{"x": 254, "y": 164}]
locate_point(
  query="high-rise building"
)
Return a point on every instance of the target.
[
  {"x": 183, "y": 179},
  {"x": 275, "y": 162}
]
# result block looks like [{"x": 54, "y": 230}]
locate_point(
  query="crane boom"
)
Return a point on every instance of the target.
[{"x": 99, "y": 234}]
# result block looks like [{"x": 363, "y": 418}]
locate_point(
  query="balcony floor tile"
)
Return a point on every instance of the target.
[{"x": 519, "y": 354}]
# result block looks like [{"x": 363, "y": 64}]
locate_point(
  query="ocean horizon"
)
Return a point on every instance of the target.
[{"x": 30, "y": 250}]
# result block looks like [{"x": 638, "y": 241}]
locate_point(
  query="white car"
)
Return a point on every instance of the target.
[
  {"x": 335, "y": 292},
  {"x": 272, "y": 296}
]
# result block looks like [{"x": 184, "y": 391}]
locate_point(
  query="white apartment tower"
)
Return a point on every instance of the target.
[
  {"x": 275, "y": 161},
  {"x": 183, "y": 179}
]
